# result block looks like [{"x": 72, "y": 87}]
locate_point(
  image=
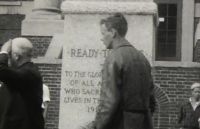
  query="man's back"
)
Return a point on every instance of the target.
[
  {"x": 13, "y": 113},
  {"x": 27, "y": 83},
  {"x": 129, "y": 72},
  {"x": 135, "y": 72},
  {"x": 32, "y": 94}
]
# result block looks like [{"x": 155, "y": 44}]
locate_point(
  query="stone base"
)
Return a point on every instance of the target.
[
  {"x": 54, "y": 50},
  {"x": 41, "y": 14},
  {"x": 42, "y": 27}
]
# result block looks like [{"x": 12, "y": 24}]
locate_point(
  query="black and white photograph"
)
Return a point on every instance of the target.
[{"x": 99, "y": 64}]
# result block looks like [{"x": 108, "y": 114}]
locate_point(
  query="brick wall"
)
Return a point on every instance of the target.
[
  {"x": 161, "y": 116},
  {"x": 52, "y": 77},
  {"x": 40, "y": 44},
  {"x": 174, "y": 85}
]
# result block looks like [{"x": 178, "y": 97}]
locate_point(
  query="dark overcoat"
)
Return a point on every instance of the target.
[
  {"x": 20, "y": 96},
  {"x": 188, "y": 117},
  {"x": 126, "y": 89}
]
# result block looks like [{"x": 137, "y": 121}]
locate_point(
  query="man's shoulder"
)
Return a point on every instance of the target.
[
  {"x": 29, "y": 65},
  {"x": 126, "y": 53},
  {"x": 131, "y": 52},
  {"x": 127, "y": 49}
]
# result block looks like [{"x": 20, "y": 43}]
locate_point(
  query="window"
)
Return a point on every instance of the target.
[
  {"x": 197, "y": 1},
  {"x": 168, "y": 39}
]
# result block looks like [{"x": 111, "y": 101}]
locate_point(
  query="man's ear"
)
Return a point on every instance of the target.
[
  {"x": 16, "y": 56},
  {"x": 113, "y": 33}
]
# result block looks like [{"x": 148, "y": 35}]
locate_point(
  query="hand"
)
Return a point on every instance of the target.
[
  {"x": 90, "y": 125},
  {"x": 7, "y": 46},
  {"x": 199, "y": 122}
]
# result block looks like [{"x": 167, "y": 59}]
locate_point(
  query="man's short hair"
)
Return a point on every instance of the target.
[{"x": 117, "y": 22}]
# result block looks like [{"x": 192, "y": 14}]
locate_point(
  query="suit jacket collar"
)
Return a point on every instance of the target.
[{"x": 25, "y": 63}]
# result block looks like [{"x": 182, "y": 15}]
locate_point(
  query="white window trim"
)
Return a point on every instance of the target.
[
  {"x": 187, "y": 36},
  {"x": 175, "y": 64},
  {"x": 187, "y": 31}
]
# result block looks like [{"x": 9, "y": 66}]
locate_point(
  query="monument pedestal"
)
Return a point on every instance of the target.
[
  {"x": 84, "y": 53},
  {"x": 42, "y": 27},
  {"x": 45, "y": 19}
]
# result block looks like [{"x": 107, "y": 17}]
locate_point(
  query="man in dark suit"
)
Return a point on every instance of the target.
[
  {"x": 21, "y": 93},
  {"x": 189, "y": 113},
  {"x": 127, "y": 84}
]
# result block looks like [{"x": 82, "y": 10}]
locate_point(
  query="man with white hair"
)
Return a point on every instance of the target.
[
  {"x": 21, "y": 93},
  {"x": 189, "y": 115}
]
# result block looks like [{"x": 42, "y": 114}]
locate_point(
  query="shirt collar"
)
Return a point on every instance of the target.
[{"x": 194, "y": 105}]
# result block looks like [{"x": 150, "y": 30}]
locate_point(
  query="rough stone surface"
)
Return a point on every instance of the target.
[{"x": 102, "y": 7}]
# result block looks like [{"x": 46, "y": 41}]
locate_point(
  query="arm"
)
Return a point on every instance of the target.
[
  {"x": 12, "y": 77},
  {"x": 109, "y": 97},
  {"x": 46, "y": 105},
  {"x": 152, "y": 101},
  {"x": 7, "y": 75},
  {"x": 46, "y": 100}
]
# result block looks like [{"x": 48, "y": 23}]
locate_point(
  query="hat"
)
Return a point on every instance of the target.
[{"x": 195, "y": 85}]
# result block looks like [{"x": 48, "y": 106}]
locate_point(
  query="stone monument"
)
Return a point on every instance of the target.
[{"x": 84, "y": 53}]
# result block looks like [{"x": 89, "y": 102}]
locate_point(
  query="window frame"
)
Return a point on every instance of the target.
[{"x": 178, "y": 32}]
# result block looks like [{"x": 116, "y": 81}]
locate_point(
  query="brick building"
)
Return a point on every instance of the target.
[{"x": 175, "y": 64}]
